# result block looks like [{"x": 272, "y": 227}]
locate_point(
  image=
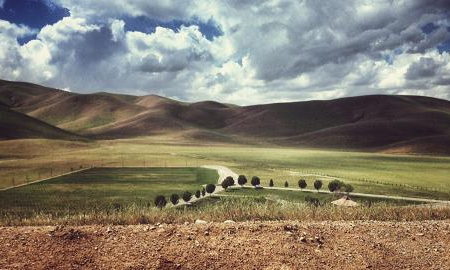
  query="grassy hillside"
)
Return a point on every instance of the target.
[
  {"x": 15, "y": 125},
  {"x": 395, "y": 124}
]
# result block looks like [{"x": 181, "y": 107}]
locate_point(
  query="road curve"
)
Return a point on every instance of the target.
[{"x": 224, "y": 172}]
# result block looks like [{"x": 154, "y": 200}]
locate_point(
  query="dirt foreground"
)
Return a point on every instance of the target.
[{"x": 249, "y": 245}]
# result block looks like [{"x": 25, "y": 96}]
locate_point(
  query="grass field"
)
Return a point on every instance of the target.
[
  {"x": 415, "y": 176},
  {"x": 102, "y": 189}
]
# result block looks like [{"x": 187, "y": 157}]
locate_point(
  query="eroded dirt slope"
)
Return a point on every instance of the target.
[{"x": 253, "y": 245}]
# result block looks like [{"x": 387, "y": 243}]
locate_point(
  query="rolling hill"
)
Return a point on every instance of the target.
[{"x": 412, "y": 124}]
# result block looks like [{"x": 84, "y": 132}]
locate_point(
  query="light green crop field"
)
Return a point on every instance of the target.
[
  {"x": 102, "y": 189},
  {"x": 415, "y": 176}
]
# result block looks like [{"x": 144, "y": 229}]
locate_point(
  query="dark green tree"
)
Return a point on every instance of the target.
[
  {"x": 271, "y": 183},
  {"x": 318, "y": 185},
  {"x": 203, "y": 192},
  {"x": 174, "y": 199},
  {"x": 197, "y": 194},
  {"x": 160, "y": 201},
  {"x": 286, "y": 184},
  {"x": 242, "y": 180},
  {"x": 230, "y": 181},
  {"x": 210, "y": 188},
  {"x": 347, "y": 188},
  {"x": 335, "y": 185},
  {"x": 302, "y": 184},
  {"x": 255, "y": 181},
  {"x": 187, "y": 196}
]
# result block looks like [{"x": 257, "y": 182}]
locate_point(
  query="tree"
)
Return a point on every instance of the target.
[
  {"x": 187, "y": 196},
  {"x": 197, "y": 194},
  {"x": 271, "y": 183},
  {"x": 230, "y": 181},
  {"x": 242, "y": 180},
  {"x": 255, "y": 181},
  {"x": 302, "y": 183},
  {"x": 317, "y": 185},
  {"x": 203, "y": 191},
  {"x": 160, "y": 201},
  {"x": 348, "y": 188},
  {"x": 286, "y": 184},
  {"x": 210, "y": 188},
  {"x": 174, "y": 199},
  {"x": 225, "y": 184},
  {"x": 335, "y": 185}
]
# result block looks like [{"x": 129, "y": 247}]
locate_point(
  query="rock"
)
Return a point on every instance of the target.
[
  {"x": 199, "y": 222},
  {"x": 229, "y": 221},
  {"x": 186, "y": 223},
  {"x": 109, "y": 230},
  {"x": 152, "y": 228},
  {"x": 303, "y": 239},
  {"x": 207, "y": 233}
]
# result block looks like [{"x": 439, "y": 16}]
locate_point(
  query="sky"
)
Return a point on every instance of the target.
[{"x": 235, "y": 51}]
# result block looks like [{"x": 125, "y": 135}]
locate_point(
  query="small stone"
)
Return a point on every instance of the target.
[
  {"x": 199, "y": 222},
  {"x": 229, "y": 221},
  {"x": 303, "y": 239},
  {"x": 109, "y": 230},
  {"x": 207, "y": 233},
  {"x": 152, "y": 228}
]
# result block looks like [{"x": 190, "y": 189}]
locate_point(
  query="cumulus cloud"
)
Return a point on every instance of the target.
[{"x": 278, "y": 50}]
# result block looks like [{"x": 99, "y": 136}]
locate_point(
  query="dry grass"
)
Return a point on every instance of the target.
[{"x": 238, "y": 209}]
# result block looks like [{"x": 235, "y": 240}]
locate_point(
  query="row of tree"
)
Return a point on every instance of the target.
[
  {"x": 161, "y": 201},
  {"x": 333, "y": 186}
]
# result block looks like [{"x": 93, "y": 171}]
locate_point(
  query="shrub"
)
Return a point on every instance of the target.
[
  {"x": 318, "y": 184},
  {"x": 271, "y": 183},
  {"x": 174, "y": 199},
  {"x": 347, "y": 188},
  {"x": 242, "y": 180},
  {"x": 197, "y": 194},
  {"x": 255, "y": 181},
  {"x": 286, "y": 184},
  {"x": 302, "y": 183},
  {"x": 312, "y": 201},
  {"x": 210, "y": 188},
  {"x": 203, "y": 192},
  {"x": 335, "y": 185},
  {"x": 187, "y": 196},
  {"x": 160, "y": 201}
]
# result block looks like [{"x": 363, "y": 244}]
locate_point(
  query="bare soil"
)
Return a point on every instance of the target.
[{"x": 249, "y": 245}]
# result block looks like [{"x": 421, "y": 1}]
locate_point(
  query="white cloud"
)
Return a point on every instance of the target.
[{"x": 278, "y": 50}]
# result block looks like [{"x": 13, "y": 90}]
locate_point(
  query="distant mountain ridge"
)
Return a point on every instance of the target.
[{"x": 412, "y": 124}]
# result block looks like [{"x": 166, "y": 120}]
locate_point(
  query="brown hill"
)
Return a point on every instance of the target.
[
  {"x": 15, "y": 125},
  {"x": 377, "y": 122}
]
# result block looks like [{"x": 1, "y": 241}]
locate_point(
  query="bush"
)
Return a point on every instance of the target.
[
  {"x": 255, "y": 181},
  {"x": 203, "y": 192},
  {"x": 242, "y": 180},
  {"x": 312, "y": 201},
  {"x": 174, "y": 199},
  {"x": 302, "y": 183},
  {"x": 187, "y": 196},
  {"x": 210, "y": 188},
  {"x": 271, "y": 183},
  {"x": 347, "y": 188},
  {"x": 197, "y": 194},
  {"x": 160, "y": 201},
  {"x": 286, "y": 184},
  {"x": 335, "y": 185}
]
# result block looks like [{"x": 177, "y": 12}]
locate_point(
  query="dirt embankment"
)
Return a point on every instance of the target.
[{"x": 253, "y": 245}]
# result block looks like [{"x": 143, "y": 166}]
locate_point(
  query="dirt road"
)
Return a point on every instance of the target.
[{"x": 252, "y": 245}]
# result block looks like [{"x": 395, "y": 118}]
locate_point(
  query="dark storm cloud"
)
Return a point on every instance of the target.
[{"x": 424, "y": 68}]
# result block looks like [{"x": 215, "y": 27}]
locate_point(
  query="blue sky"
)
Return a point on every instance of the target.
[{"x": 234, "y": 51}]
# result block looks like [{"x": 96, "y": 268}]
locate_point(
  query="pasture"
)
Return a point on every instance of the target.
[
  {"x": 414, "y": 176},
  {"x": 105, "y": 189}
]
